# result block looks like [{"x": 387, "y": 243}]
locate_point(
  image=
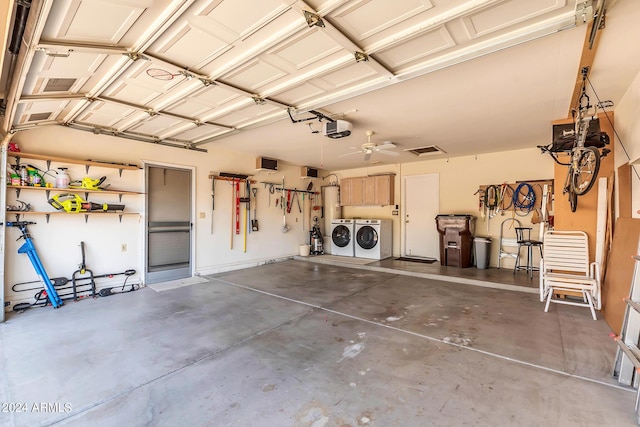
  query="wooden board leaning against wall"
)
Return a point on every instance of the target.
[{"x": 584, "y": 218}]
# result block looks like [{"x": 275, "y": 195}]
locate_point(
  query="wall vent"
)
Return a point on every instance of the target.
[
  {"x": 36, "y": 117},
  {"x": 426, "y": 151},
  {"x": 59, "y": 85}
]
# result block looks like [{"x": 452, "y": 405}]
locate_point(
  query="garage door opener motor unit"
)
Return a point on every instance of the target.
[{"x": 336, "y": 129}]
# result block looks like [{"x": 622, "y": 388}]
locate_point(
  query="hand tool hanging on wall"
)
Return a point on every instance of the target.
[
  {"x": 73, "y": 203},
  {"x": 288, "y": 201},
  {"x": 254, "y": 222},
  {"x": 247, "y": 207},
  {"x": 233, "y": 185},
  {"x": 237, "y": 198},
  {"x": 29, "y": 249},
  {"x": 213, "y": 204},
  {"x": 285, "y": 227},
  {"x": 295, "y": 195}
]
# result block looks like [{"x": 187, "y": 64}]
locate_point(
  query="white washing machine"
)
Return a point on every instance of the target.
[
  {"x": 373, "y": 238},
  {"x": 342, "y": 237}
]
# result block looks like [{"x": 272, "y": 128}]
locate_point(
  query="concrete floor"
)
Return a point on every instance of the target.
[{"x": 312, "y": 344}]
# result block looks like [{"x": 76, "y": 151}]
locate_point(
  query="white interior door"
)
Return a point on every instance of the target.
[{"x": 421, "y": 205}]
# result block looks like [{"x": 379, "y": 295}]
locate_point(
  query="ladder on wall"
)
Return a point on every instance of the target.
[{"x": 627, "y": 363}]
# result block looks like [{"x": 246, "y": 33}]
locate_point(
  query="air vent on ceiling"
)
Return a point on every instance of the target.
[
  {"x": 36, "y": 117},
  {"x": 59, "y": 85},
  {"x": 425, "y": 151}
]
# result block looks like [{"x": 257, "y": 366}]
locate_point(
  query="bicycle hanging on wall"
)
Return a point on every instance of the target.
[{"x": 585, "y": 145}]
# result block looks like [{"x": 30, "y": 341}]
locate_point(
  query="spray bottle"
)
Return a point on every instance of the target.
[{"x": 62, "y": 179}]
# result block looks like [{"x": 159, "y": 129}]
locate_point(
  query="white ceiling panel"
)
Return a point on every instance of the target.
[
  {"x": 510, "y": 13},
  {"x": 366, "y": 18},
  {"x": 254, "y": 75},
  {"x": 306, "y": 49},
  {"x": 300, "y": 93},
  {"x": 155, "y": 125},
  {"x": 417, "y": 48},
  {"x": 197, "y": 133},
  {"x": 195, "y": 73},
  {"x": 245, "y": 49},
  {"x": 76, "y": 20},
  {"x": 105, "y": 114},
  {"x": 192, "y": 43}
]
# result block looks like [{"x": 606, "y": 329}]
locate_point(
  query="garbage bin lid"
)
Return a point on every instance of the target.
[{"x": 482, "y": 239}]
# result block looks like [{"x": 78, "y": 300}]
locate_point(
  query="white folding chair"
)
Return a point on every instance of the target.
[{"x": 566, "y": 269}]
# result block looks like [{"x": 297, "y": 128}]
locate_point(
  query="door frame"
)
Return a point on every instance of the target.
[
  {"x": 192, "y": 244},
  {"x": 403, "y": 226}
]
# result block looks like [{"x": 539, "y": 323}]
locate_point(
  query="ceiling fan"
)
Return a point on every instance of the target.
[{"x": 368, "y": 148}]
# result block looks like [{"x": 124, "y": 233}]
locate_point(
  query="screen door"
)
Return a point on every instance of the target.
[{"x": 169, "y": 225}]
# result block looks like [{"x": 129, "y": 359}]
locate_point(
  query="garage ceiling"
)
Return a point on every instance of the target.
[{"x": 469, "y": 76}]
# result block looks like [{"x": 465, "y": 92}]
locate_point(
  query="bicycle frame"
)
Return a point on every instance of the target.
[{"x": 29, "y": 249}]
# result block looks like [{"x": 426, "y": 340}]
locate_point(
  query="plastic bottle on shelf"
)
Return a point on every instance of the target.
[
  {"x": 62, "y": 179},
  {"x": 24, "y": 175}
]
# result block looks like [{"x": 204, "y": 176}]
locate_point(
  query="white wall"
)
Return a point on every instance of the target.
[
  {"x": 58, "y": 241},
  {"x": 460, "y": 178}
]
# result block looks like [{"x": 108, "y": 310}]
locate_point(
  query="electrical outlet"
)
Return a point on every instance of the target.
[
  {"x": 202, "y": 215},
  {"x": 123, "y": 247}
]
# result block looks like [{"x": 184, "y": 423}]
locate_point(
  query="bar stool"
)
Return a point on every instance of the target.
[{"x": 523, "y": 236}]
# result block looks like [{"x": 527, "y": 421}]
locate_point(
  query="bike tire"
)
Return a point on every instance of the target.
[
  {"x": 587, "y": 171},
  {"x": 573, "y": 200}
]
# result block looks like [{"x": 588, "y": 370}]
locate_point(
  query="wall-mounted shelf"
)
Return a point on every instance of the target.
[
  {"x": 71, "y": 190},
  {"x": 47, "y": 214},
  {"x": 87, "y": 163},
  {"x": 86, "y": 192}
]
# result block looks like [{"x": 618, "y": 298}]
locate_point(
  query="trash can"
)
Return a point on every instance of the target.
[
  {"x": 456, "y": 239},
  {"x": 482, "y": 246}
]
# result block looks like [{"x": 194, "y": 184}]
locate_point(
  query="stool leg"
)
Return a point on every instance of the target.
[{"x": 530, "y": 261}]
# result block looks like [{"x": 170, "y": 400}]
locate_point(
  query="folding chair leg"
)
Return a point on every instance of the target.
[
  {"x": 546, "y": 306},
  {"x": 593, "y": 312}
]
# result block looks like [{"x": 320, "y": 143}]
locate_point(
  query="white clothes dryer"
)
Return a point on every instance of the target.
[
  {"x": 342, "y": 237},
  {"x": 373, "y": 238}
]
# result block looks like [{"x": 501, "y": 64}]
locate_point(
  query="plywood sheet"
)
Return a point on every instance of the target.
[
  {"x": 624, "y": 190},
  {"x": 617, "y": 280}
]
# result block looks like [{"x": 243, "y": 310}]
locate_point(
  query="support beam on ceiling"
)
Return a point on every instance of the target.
[{"x": 589, "y": 49}]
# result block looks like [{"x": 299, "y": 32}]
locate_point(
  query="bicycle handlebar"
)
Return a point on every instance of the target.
[{"x": 18, "y": 223}]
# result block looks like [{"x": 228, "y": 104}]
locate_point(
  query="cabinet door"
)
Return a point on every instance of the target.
[
  {"x": 345, "y": 192},
  {"x": 370, "y": 192},
  {"x": 357, "y": 191},
  {"x": 383, "y": 190}
]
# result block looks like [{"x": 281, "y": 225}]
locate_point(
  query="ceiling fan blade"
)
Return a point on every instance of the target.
[
  {"x": 389, "y": 153},
  {"x": 387, "y": 146},
  {"x": 367, "y": 156},
  {"x": 350, "y": 154}
]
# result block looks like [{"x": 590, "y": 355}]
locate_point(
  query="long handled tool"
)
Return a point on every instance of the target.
[
  {"x": 213, "y": 204},
  {"x": 29, "y": 249},
  {"x": 254, "y": 221}
]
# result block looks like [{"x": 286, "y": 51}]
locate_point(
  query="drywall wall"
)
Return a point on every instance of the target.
[
  {"x": 58, "y": 240},
  {"x": 460, "y": 178},
  {"x": 627, "y": 140}
]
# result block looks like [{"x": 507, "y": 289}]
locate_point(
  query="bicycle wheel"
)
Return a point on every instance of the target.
[
  {"x": 584, "y": 176},
  {"x": 573, "y": 200}
]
